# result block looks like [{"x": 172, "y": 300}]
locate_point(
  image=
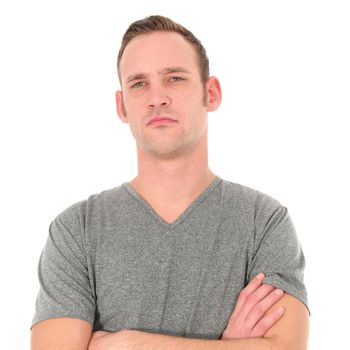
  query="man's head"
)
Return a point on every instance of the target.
[
  {"x": 165, "y": 98},
  {"x": 153, "y": 24}
]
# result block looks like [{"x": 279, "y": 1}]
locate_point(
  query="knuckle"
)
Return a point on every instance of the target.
[
  {"x": 271, "y": 297},
  {"x": 259, "y": 310},
  {"x": 253, "y": 299},
  {"x": 256, "y": 314},
  {"x": 244, "y": 293},
  {"x": 264, "y": 324},
  {"x": 275, "y": 295},
  {"x": 269, "y": 288},
  {"x": 268, "y": 303},
  {"x": 266, "y": 288}
]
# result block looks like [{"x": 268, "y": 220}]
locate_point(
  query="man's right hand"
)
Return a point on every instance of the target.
[{"x": 252, "y": 316}]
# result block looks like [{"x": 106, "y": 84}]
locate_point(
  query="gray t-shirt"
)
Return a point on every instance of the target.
[{"x": 113, "y": 261}]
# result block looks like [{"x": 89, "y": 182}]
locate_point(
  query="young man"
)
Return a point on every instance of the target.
[{"x": 177, "y": 258}]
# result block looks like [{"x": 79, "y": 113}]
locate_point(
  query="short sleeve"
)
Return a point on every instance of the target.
[
  {"x": 65, "y": 289},
  {"x": 277, "y": 251}
]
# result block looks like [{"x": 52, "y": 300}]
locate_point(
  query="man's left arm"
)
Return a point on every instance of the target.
[
  {"x": 289, "y": 333},
  {"x": 292, "y": 330}
]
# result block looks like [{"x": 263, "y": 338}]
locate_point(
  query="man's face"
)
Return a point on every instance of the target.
[{"x": 162, "y": 94}]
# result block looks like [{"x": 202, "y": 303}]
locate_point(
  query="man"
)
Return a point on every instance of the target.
[{"x": 177, "y": 258}]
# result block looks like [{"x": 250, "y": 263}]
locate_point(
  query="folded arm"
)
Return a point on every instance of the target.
[
  {"x": 255, "y": 324},
  {"x": 290, "y": 333}
]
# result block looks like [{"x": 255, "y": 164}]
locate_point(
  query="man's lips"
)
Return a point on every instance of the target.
[{"x": 161, "y": 120}]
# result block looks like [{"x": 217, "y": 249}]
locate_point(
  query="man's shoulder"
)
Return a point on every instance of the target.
[
  {"x": 247, "y": 196},
  {"x": 96, "y": 201}
]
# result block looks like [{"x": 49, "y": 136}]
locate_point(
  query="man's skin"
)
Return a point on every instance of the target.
[{"x": 166, "y": 105}]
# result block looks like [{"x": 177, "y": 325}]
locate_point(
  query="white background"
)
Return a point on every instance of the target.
[{"x": 281, "y": 129}]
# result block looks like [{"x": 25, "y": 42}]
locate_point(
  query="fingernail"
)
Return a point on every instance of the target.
[
  {"x": 279, "y": 292},
  {"x": 280, "y": 310},
  {"x": 260, "y": 276}
]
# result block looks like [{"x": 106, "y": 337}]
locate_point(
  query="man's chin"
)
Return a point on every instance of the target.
[
  {"x": 165, "y": 154},
  {"x": 164, "y": 151}
]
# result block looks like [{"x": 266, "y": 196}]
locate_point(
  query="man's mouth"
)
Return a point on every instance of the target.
[{"x": 161, "y": 120}]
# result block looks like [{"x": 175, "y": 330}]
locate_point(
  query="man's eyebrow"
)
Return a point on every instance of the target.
[
  {"x": 169, "y": 70},
  {"x": 164, "y": 71},
  {"x": 136, "y": 77}
]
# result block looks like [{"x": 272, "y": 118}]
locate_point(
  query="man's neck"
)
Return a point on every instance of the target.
[{"x": 172, "y": 183}]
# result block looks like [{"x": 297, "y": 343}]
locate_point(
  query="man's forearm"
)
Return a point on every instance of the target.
[
  {"x": 164, "y": 342},
  {"x": 136, "y": 340}
]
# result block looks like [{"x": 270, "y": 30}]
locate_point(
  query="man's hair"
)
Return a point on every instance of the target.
[{"x": 160, "y": 23}]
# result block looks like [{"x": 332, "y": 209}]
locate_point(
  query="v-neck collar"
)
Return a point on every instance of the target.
[{"x": 141, "y": 200}]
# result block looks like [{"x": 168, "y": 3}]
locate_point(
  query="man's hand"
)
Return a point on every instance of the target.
[{"x": 250, "y": 317}]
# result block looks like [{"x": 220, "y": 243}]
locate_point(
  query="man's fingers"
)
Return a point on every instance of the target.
[
  {"x": 254, "y": 298},
  {"x": 260, "y": 309},
  {"x": 255, "y": 283},
  {"x": 267, "y": 322}
]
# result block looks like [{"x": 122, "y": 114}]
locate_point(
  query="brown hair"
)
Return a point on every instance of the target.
[{"x": 159, "y": 23}]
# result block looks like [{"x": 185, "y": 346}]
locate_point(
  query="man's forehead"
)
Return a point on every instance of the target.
[
  {"x": 155, "y": 38},
  {"x": 156, "y": 52}
]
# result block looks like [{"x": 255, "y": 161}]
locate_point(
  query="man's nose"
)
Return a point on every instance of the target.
[{"x": 158, "y": 97}]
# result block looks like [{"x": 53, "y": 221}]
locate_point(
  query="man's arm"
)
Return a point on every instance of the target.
[
  {"x": 253, "y": 325},
  {"x": 289, "y": 334},
  {"x": 292, "y": 331},
  {"x": 61, "y": 334},
  {"x": 71, "y": 333}
]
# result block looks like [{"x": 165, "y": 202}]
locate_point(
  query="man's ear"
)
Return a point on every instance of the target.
[
  {"x": 214, "y": 94},
  {"x": 120, "y": 106}
]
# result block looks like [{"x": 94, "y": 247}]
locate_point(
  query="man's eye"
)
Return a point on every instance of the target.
[
  {"x": 176, "y": 79},
  {"x": 138, "y": 84}
]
